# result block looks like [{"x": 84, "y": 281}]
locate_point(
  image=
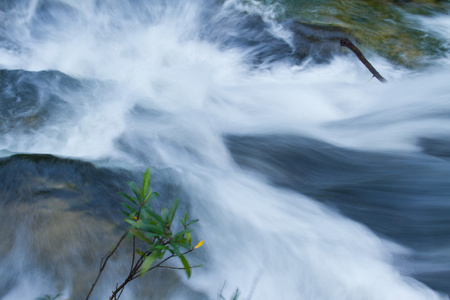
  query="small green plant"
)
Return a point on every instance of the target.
[
  {"x": 155, "y": 231},
  {"x": 235, "y": 296},
  {"x": 48, "y": 297},
  {"x": 237, "y": 293}
]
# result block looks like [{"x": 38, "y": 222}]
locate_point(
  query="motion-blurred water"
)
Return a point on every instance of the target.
[{"x": 310, "y": 180}]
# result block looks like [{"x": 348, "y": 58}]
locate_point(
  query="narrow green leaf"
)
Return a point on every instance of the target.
[
  {"x": 145, "y": 216},
  {"x": 161, "y": 255},
  {"x": 150, "y": 211},
  {"x": 173, "y": 210},
  {"x": 147, "y": 198},
  {"x": 150, "y": 196},
  {"x": 162, "y": 248},
  {"x": 132, "y": 223},
  {"x": 131, "y": 209},
  {"x": 140, "y": 236},
  {"x": 153, "y": 229},
  {"x": 136, "y": 191},
  {"x": 148, "y": 262},
  {"x": 146, "y": 183},
  {"x": 165, "y": 214},
  {"x": 183, "y": 222},
  {"x": 175, "y": 248},
  {"x": 133, "y": 200},
  {"x": 181, "y": 233},
  {"x": 192, "y": 222},
  {"x": 137, "y": 224},
  {"x": 150, "y": 221},
  {"x": 189, "y": 239},
  {"x": 186, "y": 266},
  {"x": 183, "y": 240},
  {"x": 151, "y": 235},
  {"x": 184, "y": 245}
]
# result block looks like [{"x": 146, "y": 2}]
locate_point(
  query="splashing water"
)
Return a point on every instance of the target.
[{"x": 181, "y": 85}]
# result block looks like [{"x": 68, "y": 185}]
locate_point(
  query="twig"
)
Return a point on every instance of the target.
[
  {"x": 134, "y": 242},
  {"x": 134, "y": 252},
  {"x": 167, "y": 258},
  {"x": 103, "y": 264},
  {"x": 346, "y": 43},
  {"x": 134, "y": 272},
  {"x": 120, "y": 288}
]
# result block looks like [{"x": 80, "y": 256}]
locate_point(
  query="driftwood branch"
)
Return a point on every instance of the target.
[{"x": 346, "y": 43}]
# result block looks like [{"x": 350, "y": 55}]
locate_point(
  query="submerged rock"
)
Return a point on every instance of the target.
[
  {"x": 317, "y": 41},
  {"x": 59, "y": 217},
  {"x": 401, "y": 196},
  {"x": 30, "y": 100}
]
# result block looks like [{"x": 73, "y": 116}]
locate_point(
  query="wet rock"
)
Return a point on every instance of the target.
[
  {"x": 58, "y": 216},
  {"x": 401, "y": 196},
  {"x": 29, "y": 100},
  {"x": 388, "y": 28},
  {"x": 317, "y": 41},
  {"x": 436, "y": 147}
]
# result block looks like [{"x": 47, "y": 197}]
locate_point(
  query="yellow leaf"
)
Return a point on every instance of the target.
[{"x": 199, "y": 244}]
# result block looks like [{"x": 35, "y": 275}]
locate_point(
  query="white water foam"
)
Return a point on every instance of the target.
[{"x": 178, "y": 94}]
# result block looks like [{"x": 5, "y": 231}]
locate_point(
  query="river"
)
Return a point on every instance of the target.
[{"x": 311, "y": 180}]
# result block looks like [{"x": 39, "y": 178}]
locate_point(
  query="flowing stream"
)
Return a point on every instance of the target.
[{"x": 310, "y": 179}]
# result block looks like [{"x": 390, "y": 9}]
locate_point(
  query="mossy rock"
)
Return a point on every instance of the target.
[
  {"x": 60, "y": 216},
  {"x": 387, "y": 27}
]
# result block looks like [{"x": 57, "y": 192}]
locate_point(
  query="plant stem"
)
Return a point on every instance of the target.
[
  {"x": 103, "y": 264},
  {"x": 120, "y": 288}
]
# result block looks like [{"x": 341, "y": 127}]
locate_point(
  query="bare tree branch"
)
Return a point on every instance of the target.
[
  {"x": 346, "y": 43},
  {"x": 103, "y": 264}
]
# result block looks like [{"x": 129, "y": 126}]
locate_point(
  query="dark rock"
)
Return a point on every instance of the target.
[
  {"x": 436, "y": 147},
  {"x": 61, "y": 214},
  {"x": 29, "y": 100},
  {"x": 318, "y": 41}
]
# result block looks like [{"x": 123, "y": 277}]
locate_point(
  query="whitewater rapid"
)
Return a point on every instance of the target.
[{"x": 157, "y": 85}]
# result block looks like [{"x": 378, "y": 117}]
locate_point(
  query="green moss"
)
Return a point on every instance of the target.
[{"x": 385, "y": 27}]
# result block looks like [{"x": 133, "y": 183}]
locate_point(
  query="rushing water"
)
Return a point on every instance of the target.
[{"x": 310, "y": 180}]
